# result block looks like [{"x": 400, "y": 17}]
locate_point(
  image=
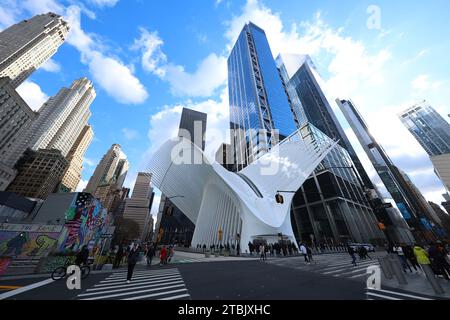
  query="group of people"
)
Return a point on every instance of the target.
[
  {"x": 274, "y": 249},
  {"x": 219, "y": 248},
  {"x": 434, "y": 255},
  {"x": 360, "y": 250}
]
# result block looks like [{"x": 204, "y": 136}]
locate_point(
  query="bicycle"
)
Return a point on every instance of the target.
[{"x": 61, "y": 272}]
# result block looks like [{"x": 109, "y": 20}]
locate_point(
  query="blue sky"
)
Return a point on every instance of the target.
[{"x": 148, "y": 59}]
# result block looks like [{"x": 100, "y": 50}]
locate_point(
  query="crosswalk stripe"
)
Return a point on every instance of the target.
[
  {"x": 382, "y": 296},
  {"x": 139, "y": 277},
  {"x": 350, "y": 272},
  {"x": 176, "y": 297},
  {"x": 155, "y": 294},
  {"x": 137, "y": 281},
  {"x": 359, "y": 275},
  {"x": 136, "y": 275},
  {"x": 130, "y": 288},
  {"x": 135, "y": 292},
  {"x": 133, "y": 284},
  {"x": 403, "y": 294},
  {"x": 331, "y": 270},
  {"x": 121, "y": 274}
]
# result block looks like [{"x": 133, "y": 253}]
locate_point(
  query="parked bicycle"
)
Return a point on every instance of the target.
[{"x": 61, "y": 272}]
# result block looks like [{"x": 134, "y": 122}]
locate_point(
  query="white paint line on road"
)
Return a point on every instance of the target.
[
  {"x": 134, "y": 292},
  {"x": 359, "y": 275},
  {"x": 137, "y": 281},
  {"x": 133, "y": 284},
  {"x": 382, "y": 296},
  {"x": 155, "y": 272},
  {"x": 176, "y": 297},
  {"x": 350, "y": 272},
  {"x": 139, "y": 277},
  {"x": 402, "y": 294},
  {"x": 130, "y": 288},
  {"x": 339, "y": 269},
  {"x": 155, "y": 294},
  {"x": 24, "y": 289}
]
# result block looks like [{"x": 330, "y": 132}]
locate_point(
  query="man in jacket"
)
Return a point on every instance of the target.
[
  {"x": 304, "y": 252},
  {"x": 133, "y": 257}
]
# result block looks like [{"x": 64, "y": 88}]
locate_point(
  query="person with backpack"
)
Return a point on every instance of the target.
[
  {"x": 163, "y": 256},
  {"x": 352, "y": 252}
]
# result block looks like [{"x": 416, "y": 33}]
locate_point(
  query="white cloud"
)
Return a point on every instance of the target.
[
  {"x": 82, "y": 185},
  {"x": 51, "y": 66},
  {"x": 423, "y": 83},
  {"x": 110, "y": 73},
  {"x": 32, "y": 94},
  {"x": 104, "y": 3},
  {"x": 42, "y": 6},
  {"x": 211, "y": 72},
  {"x": 130, "y": 134},
  {"x": 89, "y": 162}
]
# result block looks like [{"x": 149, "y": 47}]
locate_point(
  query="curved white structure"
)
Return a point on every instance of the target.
[{"x": 236, "y": 203}]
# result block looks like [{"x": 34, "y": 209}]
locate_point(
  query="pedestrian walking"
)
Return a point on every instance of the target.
[
  {"x": 309, "y": 252},
  {"x": 133, "y": 257},
  {"x": 163, "y": 256},
  {"x": 438, "y": 262},
  {"x": 351, "y": 252},
  {"x": 409, "y": 254},
  {"x": 82, "y": 256},
  {"x": 424, "y": 261},
  {"x": 364, "y": 253},
  {"x": 401, "y": 255},
  {"x": 150, "y": 254},
  {"x": 304, "y": 252},
  {"x": 262, "y": 250},
  {"x": 171, "y": 253}
]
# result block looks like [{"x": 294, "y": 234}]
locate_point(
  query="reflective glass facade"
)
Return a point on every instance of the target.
[
  {"x": 428, "y": 127},
  {"x": 258, "y": 101}
]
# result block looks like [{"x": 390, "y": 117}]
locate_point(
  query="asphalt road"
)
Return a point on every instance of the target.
[{"x": 234, "y": 280}]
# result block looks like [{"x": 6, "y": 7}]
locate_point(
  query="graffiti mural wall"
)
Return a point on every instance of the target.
[
  {"x": 86, "y": 220},
  {"x": 25, "y": 241}
]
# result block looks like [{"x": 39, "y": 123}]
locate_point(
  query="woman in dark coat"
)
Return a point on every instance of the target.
[{"x": 133, "y": 257}]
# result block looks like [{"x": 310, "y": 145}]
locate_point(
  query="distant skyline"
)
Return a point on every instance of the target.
[{"x": 149, "y": 59}]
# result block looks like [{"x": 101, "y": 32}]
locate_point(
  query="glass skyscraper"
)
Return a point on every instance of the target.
[
  {"x": 428, "y": 127},
  {"x": 258, "y": 101}
]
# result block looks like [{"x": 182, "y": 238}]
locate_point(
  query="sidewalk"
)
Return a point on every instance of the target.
[{"x": 417, "y": 283}]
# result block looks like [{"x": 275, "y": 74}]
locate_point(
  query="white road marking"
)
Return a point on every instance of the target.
[
  {"x": 24, "y": 289},
  {"x": 155, "y": 294}
]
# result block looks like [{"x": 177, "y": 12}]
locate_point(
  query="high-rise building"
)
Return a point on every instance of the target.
[
  {"x": 443, "y": 216},
  {"x": 428, "y": 127},
  {"x": 27, "y": 45},
  {"x": 258, "y": 102},
  {"x": 441, "y": 165},
  {"x": 385, "y": 168},
  {"x": 171, "y": 220},
  {"x": 106, "y": 170},
  {"x": 59, "y": 123},
  {"x": 39, "y": 173},
  {"x": 72, "y": 177},
  {"x": 224, "y": 156},
  {"x": 332, "y": 204},
  {"x": 15, "y": 119},
  {"x": 138, "y": 207},
  {"x": 305, "y": 83}
]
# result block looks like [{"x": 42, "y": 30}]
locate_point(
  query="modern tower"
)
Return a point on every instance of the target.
[
  {"x": 174, "y": 223},
  {"x": 138, "y": 207},
  {"x": 332, "y": 204},
  {"x": 15, "y": 119},
  {"x": 106, "y": 171},
  {"x": 72, "y": 177},
  {"x": 303, "y": 78},
  {"x": 383, "y": 165},
  {"x": 429, "y": 128},
  {"x": 27, "y": 45},
  {"x": 59, "y": 123},
  {"x": 258, "y": 102}
]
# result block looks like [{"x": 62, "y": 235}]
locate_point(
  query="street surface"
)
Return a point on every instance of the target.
[{"x": 192, "y": 276}]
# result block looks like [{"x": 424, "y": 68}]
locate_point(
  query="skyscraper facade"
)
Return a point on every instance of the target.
[
  {"x": 27, "y": 45},
  {"x": 138, "y": 206},
  {"x": 39, "y": 173},
  {"x": 258, "y": 102},
  {"x": 332, "y": 204},
  {"x": 59, "y": 123},
  {"x": 300, "y": 73},
  {"x": 175, "y": 225},
  {"x": 383, "y": 165},
  {"x": 106, "y": 170},
  {"x": 15, "y": 119},
  {"x": 429, "y": 128},
  {"x": 72, "y": 177}
]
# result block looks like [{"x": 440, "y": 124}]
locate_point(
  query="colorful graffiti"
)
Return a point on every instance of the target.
[
  {"x": 26, "y": 245},
  {"x": 86, "y": 220}
]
